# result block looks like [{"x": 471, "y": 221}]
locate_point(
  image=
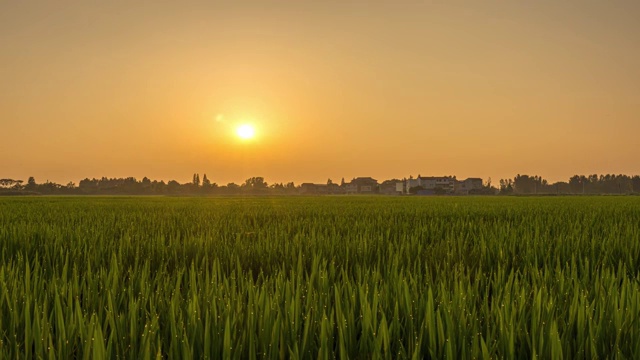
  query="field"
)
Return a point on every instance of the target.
[{"x": 344, "y": 277}]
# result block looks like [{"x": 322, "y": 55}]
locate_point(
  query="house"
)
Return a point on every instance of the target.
[
  {"x": 437, "y": 184},
  {"x": 391, "y": 187},
  {"x": 468, "y": 186},
  {"x": 310, "y": 188},
  {"x": 361, "y": 185},
  {"x": 411, "y": 183},
  {"x": 320, "y": 189}
]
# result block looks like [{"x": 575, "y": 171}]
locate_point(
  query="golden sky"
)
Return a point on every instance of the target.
[{"x": 334, "y": 89}]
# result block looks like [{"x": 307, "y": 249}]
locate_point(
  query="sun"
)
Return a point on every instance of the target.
[{"x": 245, "y": 131}]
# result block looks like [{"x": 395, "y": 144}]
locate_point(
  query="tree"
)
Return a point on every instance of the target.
[
  {"x": 635, "y": 184},
  {"x": 10, "y": 183},
  {"x": 255, "y": 183},
  {"x": 173, "y": 186},
  {"x": 290, "y": 187},
  {"x": 525, "y": 184},
  {"x": 31, "y": 184},
  {"x": 233, "y": 188},
  {"x": 278, "y": 187},
  {"x": 506, "y": 186},
  {"x": 575, "y": 184},
  {"x": 205, "y": 182}
]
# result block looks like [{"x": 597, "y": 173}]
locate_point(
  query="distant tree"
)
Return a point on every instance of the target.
[
  {"x": 31, "y": 184},
  {"x": 342, "y": 182},
  {"x": 10, "y": 183},
  {"x": 205, "y": 182},
  {"x": 329, "y": 182},
  {"x": 578, "y": 184},
  {"x": 525, "y": 184},
  {"x": 255, "y": 183},
  {"x": 173, "y": 187},
  {"x": 562, "y": 187},
  {"x": 506, "y": 186},
  {"x": 232, "y": 188},
  {"x": 277, "y": 187},
  {"x": 49, "y": 187},
  {"x": 158, "y": 187},
  {"x": 635, "y": 184}
]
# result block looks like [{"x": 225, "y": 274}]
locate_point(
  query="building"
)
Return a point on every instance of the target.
[
  {"x": 391, "y": 187},
  {"x": 320, "y": 189},
  {"x": 443, "y": 183},
  {"x": 436, "y": 184},
  {"x": 468, "y": 186},
  {"x": 422, "y": 185},
  {"x": 310, "y": 188},
  {"x": 361, "y": 185}
]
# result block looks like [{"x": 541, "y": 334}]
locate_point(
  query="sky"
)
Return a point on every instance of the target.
[{"x": 334, "y": 89}]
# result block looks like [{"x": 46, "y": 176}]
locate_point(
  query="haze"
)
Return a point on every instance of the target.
[{"x": 334, "y": 89}]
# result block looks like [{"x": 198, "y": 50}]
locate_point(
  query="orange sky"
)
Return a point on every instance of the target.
[{"x": 335, "y": 89}]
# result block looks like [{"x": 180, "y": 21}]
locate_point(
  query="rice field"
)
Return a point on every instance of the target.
[{"x": 325, "y": 277}]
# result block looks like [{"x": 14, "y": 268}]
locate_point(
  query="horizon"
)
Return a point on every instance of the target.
[
  {"x": 322, "y": 90},
  {"x": 494, "y": 182}
]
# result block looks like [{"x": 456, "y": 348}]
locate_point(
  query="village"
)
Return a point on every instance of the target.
[{"x": 429, "y": 185}]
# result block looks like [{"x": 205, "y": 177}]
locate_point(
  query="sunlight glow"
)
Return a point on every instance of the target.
[{"x": 245, "y": 131}]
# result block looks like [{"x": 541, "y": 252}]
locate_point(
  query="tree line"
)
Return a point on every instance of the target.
[
  {"x": 577, "y": 184},
  {"x": 519, "y": 185},
  {"x": 146, "y": 186}
]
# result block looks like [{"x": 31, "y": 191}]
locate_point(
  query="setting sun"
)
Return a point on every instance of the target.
[{"x": 245, "y": 131}]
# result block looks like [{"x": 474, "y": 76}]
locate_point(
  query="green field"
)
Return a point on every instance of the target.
[{"x": 344, "y": 277}]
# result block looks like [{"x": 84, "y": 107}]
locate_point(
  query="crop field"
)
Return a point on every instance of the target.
[{"x": 325, "y": 277}]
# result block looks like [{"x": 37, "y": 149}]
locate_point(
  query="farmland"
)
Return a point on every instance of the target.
[{"x": 324, "y": 277}]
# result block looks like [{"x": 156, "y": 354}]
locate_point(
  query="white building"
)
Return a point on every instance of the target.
[
  {"x": 468, "y": 185},
  {"x": 448, "y": 184}
]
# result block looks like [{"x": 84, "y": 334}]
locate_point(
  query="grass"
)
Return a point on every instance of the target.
[{"x": 343, "y": 277}]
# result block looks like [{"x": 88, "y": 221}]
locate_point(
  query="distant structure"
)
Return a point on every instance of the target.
[
  {"x": 362, "y": 185},
  {"x": 468, "y": 185},
  {"x": 321, "y": 189},
  {"x": 391, "y": 187},
  {"x": 422, "y": 185},
  {"x": 431, "y": 185},
  {"x": 446, "y": 184}
]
